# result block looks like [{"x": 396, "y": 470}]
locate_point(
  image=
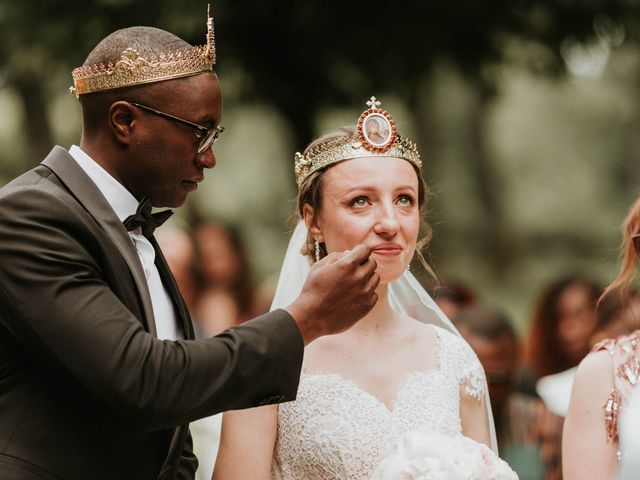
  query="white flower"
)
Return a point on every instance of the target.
[{"x": 434, "y": 456}]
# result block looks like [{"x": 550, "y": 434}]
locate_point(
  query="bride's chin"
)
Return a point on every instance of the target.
[{"x": 388, "y": 275}]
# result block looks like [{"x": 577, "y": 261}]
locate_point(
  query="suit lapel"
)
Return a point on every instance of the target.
[{"x": 89, "y": 196}]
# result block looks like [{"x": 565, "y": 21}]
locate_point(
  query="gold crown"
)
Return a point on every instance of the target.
[
  {"x": 376, "y": 136},
  {"x": 133, "y": 69}
]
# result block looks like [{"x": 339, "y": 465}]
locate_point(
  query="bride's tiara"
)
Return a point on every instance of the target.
[
  {"x": 376, "y": 136},
  {"x": 134, "y": 69}
]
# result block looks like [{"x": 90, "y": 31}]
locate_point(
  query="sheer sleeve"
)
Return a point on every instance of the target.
[{"x": 458, "y": 359}]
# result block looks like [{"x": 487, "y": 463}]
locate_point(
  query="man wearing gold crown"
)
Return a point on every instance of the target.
[{"x": 99, "y": 375}]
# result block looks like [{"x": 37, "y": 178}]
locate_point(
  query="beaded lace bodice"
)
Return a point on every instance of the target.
[
  {"x": 625, "y": 361},
  {"x": 337, "y": 430}
]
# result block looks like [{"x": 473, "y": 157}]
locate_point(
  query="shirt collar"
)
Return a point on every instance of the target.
[{"x": 118, "y": 197}]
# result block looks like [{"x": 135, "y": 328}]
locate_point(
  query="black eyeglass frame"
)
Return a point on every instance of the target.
[{"x": 207, "y": 136}]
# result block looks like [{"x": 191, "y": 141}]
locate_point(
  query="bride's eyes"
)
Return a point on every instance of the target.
[
  {"x": 405, "y": 200},
  {"x": 359, "y": 202}
]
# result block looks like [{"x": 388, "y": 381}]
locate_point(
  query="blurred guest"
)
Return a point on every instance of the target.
[
  {"x": 601, "y": 434},
  {"x": 516, "y": 415},
  {"x": 228, "y": 296},
  {"x": 454, "y": 296},
  {"x": 178, "y": 247},
  {"x": 563, "y": 323},
  {"x": 617, "y": 314}
]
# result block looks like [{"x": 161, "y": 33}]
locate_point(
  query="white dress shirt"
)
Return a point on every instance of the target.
[{"x": 124, "y": 204}]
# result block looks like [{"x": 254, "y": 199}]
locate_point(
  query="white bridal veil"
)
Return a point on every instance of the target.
[{"x": 406, "y": 295}]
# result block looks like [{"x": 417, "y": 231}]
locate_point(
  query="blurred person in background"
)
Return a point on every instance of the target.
[
  {"x": 516, "y": 415},
  {"x": 564, "y": 322},
  {"x": 228, "y": 294},
  {"x": 451, "y": 297},
  {"x": 601, "y": 436},
  {"x": 616, "y": 315},
  {"x": 178, "y": 246}
]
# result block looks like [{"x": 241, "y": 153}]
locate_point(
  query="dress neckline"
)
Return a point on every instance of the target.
[
  {"x": 408, "y": 377},
  {"x": 356, "y": 386}
]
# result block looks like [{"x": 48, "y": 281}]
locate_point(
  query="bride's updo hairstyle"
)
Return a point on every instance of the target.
[{"x": 311, "y": 189}]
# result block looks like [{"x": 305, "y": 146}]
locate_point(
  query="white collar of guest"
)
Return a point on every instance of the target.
[{"x": 118, "y": 197}]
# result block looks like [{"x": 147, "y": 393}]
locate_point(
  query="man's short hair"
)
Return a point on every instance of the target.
[{"x": 147, "y": 41}]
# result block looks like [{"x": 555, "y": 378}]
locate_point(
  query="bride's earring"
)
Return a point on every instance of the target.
[{"x": 317, "y": 248}]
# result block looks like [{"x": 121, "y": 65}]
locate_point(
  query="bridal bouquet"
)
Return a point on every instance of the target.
[{"x": 433, "y": 456}]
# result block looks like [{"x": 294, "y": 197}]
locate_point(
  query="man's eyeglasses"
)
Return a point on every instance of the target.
[{"x": 207, "y": 136}]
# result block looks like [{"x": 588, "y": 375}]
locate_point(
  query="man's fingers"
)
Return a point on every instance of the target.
[
  {"x": 374, "y": 299},
  {"x": 373, "y": 282},
  {"x": 359, "y": 254},
  {"x": 370, "y": 266},
  {"x": 331, "y": 258}
]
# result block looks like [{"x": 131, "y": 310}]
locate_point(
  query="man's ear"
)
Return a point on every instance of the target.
[
  {"x": 121, "y": 121},
  {"x": 311, "y": 220}
]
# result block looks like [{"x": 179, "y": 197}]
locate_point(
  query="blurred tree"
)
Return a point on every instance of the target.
[
  {"x": 310, "y": 56},
  {"x": 301, "y": 57},
  {"x": 36, "y": 42}
]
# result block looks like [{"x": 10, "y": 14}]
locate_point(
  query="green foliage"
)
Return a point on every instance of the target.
[{"x": 532, "y": 167}]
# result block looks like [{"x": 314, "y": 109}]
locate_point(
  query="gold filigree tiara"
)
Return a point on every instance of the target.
[
  {"x": 133, "y": 69},
  {"x": 376, "y": 136}
]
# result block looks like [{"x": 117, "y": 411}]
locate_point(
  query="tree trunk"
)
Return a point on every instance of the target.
[
  {"x": 487, "y": 181},
  {"x": 36, "y": 122}
]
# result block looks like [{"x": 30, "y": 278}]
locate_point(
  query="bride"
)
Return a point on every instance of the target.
[{"x": 403, "y": 368}]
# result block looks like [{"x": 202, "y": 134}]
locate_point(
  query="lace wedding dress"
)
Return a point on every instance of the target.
[{"x": 337, "y": 430}]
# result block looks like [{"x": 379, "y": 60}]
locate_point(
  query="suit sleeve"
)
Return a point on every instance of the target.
[{"x": 60, "y": 310}]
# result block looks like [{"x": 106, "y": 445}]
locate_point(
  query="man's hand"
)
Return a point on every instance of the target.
[{"x": 339, "y": 291}]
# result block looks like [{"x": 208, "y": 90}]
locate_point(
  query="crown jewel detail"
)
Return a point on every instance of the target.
[
  {"x": 376, "y": 137},
  {"x": 134, "y": 69}
]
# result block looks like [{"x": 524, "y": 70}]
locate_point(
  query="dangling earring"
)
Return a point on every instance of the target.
[{"x": 317, "y": 247}]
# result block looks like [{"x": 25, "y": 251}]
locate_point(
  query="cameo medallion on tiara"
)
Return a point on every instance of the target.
[{"x": 376, "y": 128}]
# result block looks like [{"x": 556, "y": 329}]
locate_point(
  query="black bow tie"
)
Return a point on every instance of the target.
[{"x": 146, "y": 220}]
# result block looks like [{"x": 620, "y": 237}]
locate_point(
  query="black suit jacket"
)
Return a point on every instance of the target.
[{"x": 86, "y": 391}]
